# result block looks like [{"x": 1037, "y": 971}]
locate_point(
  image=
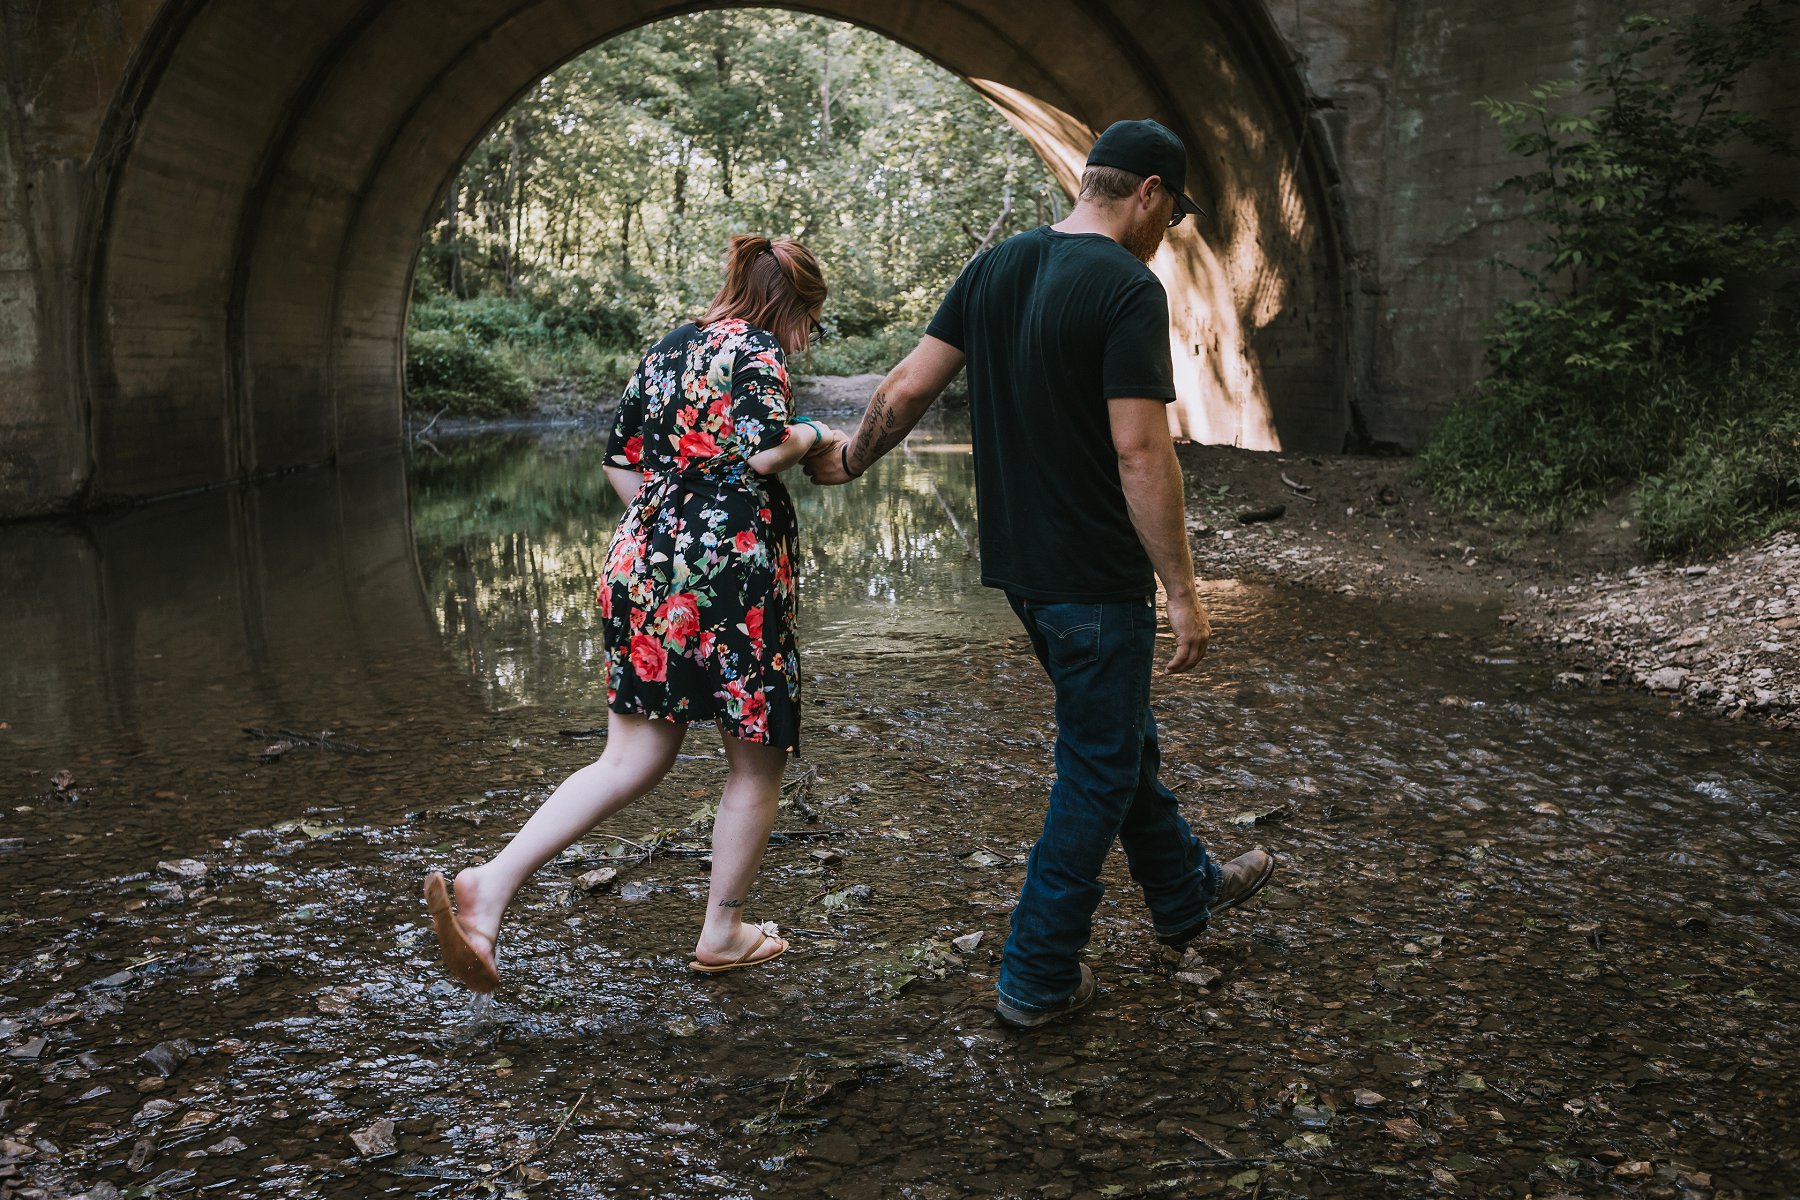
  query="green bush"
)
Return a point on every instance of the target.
[
  {"x": 863, "y": 354},
  {"x": 446, "y": 369},
  {"x": 1738, "y": 479},
  {"x": 527, "y": 320},
  {"x": 1627, "y": 360}
]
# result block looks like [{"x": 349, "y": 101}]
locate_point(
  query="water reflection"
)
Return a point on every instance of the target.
[{"x": 512, "y": 532}]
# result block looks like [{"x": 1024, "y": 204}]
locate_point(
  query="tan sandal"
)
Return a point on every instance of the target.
[
  {"x": 464, "y": 964},
  {"x": 750, "y": 959}
]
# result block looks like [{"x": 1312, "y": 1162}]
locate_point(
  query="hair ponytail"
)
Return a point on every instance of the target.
[{"x": 774, "y": 284}]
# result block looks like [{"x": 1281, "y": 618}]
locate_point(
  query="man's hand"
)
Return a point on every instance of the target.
[
  {"x": 1192, "y": 628},
  {"x": 824, "y": 465}
]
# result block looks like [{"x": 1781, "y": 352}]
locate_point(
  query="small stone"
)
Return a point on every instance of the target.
[
  {"x": 376, "y": 1140},
  {"x": 967, "y": 942},
  {"x": 183, "y": 868},
  {"x": 152, "y": 1083},
  {"x": 28, "y": 1051},
  {"x": 827, "y": 856},
  {"x": 1364, "y": 1098},
  {"x": 154, "y": 1110},
  {"x": 229, "y": 1146},
  {"x": 1200, "y": 976},
  {"x": 1666, "y": 679},
  {"x": 599, "y": 877},
  {"x": 165, "y": 1057},
  {"x": 1634, "y": 1170}
]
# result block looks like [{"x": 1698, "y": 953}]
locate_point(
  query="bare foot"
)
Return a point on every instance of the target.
[{"x": 742, "y": 941}]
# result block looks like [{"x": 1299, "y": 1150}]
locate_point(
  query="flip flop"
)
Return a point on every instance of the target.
[
  {"x": 465, "y": 966},
  {"x": 750, "y": 959}
]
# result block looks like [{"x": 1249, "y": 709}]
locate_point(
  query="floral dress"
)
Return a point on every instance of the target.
[{"x": 698, "y": 590}]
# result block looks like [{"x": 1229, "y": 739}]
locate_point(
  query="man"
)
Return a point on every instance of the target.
[{"x": 1065, "y": 332}]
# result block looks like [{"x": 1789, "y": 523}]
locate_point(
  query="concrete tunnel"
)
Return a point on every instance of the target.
[{"x": 266, "y": 171}]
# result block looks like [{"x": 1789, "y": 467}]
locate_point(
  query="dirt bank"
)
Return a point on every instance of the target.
[{"x": 1718, "y": 634}]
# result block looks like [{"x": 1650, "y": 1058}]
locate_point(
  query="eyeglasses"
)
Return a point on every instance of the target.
[{"x": 818, "y": 332}]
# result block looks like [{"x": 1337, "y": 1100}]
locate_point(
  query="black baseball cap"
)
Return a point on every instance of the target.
[{"x": 1146, "y": 148}]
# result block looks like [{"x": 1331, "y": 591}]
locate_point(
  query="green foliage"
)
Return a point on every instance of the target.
[
  {"x": 872, "y": 353},
  {"x": 447, "y": 369},
  {"x": 1622, "y": 354},
  {"x": 609, "y": 190},
  {"x": 1740, "y": 477}
]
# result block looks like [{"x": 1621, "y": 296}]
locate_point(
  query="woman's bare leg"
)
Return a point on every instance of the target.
[
  {"x": 639, "y": 752},
  {"x": 740, "y": 835}
]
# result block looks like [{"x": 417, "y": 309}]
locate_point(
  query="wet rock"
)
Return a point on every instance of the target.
[
  {"x": 967, "y": 942},
  {"x": 183, "y": 868},
  {"x": 837, "y": 1148},
  {"x": 166, "y": 1057},
  {"x": 599, "y": 877},
  {"x": 151, "y": 1083},
  {"x": 154, "y": 1110},
  {"x": 101, "y": 1191},
  {"x": 29, "y": 1051},
  {"x": 637, "y": 889},
  {"x": 376, "y": 1140},
  {"x": 827, "y": 856},
  {"x": 1364, "y": 1098},
  {"x": 230, "y": 1145},
  {"x": 1666, "y": 679},
  {"x": 1200, "y": 976}
]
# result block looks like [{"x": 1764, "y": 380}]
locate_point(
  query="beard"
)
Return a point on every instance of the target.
[{"x": 1146, "y": 237}]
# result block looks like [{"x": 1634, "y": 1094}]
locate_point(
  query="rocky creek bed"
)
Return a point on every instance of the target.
[{"x": 1526, "y": 939}]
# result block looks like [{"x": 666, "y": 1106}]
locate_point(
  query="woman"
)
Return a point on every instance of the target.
[{"x": 698, "y": 601}]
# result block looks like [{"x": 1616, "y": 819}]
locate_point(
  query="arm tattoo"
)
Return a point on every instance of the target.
[{"x": 879, "y": 432}]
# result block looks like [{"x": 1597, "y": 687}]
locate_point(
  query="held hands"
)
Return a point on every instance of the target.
[
  {"x": 1192, "y": 628},
  {"x": 824, "y": 463}
]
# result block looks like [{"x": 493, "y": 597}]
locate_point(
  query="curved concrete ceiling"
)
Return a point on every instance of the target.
[{"x": 250, "y": 260}]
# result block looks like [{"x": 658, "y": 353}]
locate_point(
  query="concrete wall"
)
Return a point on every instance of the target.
[
  {"x": 209, "y": 209},
  {"x": 1397, "y": 84}
]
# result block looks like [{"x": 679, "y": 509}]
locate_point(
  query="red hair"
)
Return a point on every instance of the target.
[{"x": 774, "y": 284}]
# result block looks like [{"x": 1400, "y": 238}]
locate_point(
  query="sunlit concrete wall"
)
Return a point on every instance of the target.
[{"x": 210, "y": 209}]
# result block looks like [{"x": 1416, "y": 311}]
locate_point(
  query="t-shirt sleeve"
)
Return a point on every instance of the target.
[
  {"x": 625, "y": 448},
  {"x": 1137, "y": 359},
  {"x": 760, "y": 397},
  {"x": 947, "y": 324}
]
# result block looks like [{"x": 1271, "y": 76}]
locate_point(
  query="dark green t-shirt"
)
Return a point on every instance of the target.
[{"x": 1054, "y": 325}]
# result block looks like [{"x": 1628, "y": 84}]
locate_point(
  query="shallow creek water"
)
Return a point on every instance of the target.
[{"x": 1523, "y": 941}]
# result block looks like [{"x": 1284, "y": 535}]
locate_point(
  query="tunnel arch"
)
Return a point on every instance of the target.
[{"x": 254, "y": 233}]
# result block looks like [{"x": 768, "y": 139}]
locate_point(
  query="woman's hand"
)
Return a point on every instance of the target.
[{"x": 803, "y": 438}]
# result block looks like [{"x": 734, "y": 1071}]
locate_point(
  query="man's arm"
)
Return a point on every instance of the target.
[
  {"x": 1151, "y": 477},
  {"x": 899, "y": 401}
]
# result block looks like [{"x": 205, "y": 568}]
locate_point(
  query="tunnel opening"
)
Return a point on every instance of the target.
[
  {"x": 593, "y": 213},
  {"x": 251, "y": 249}
]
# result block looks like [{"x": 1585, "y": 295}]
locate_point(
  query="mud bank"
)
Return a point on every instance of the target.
[{"x": 1718, "y": 635}]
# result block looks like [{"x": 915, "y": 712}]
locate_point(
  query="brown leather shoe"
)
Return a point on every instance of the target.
[{"x": 1239, "y": 879}]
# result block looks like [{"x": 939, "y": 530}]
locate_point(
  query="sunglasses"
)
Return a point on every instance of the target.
[{"x": 818, "y": 332}]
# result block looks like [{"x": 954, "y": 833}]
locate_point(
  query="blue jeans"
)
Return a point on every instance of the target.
[{"x": 1099, "y": 657}]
